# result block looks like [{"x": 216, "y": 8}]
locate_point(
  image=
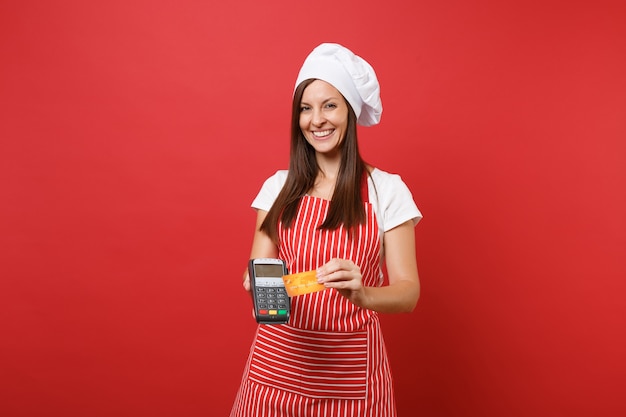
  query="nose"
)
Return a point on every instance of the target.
[{"x": 318, "y": 118}]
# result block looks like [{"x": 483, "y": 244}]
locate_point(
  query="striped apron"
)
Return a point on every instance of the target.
[{"x": 329, "y": 360}]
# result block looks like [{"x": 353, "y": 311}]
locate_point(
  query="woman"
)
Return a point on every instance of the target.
[{"x": 333, "y": 213}]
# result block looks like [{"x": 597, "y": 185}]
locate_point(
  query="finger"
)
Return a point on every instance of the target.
[{"x": 338, "y": 276}]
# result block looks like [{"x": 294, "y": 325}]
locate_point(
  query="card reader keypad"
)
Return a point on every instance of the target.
[{"x": 272, "y": 301}]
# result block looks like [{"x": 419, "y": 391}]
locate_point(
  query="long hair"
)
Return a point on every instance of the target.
[{"x": 346, "y": 206}]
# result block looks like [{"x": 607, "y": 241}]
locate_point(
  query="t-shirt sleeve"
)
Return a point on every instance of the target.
[
  {"x": 269, "y": 191},
  {"x": 396, "y": 202}
]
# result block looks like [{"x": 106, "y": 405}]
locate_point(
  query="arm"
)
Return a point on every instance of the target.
[
  {"x": 403, "y": 291},
  {"x": 262, "y": 246}
]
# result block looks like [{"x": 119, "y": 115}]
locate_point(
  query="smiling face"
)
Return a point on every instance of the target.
[{"x": 323, "y": 117}]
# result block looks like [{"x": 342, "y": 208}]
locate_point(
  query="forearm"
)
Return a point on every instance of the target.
[
  {"x": 400, "y": 297},
  {"x": 403, "y": 291},
  {"x": 262, "y": 247}
]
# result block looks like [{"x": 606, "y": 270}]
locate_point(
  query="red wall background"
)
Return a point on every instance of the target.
[{"x": 134, "y": 135}]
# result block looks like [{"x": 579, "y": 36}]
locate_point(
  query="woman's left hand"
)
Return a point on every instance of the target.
[{"x": 345, "y": 276}]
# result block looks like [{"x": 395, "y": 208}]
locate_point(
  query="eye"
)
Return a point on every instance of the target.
[
  {"x": 304, "y": 108},
  {"x": 331, "y": 106}
]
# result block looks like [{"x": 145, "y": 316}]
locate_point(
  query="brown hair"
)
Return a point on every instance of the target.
[{"x": 346, "y": 207}]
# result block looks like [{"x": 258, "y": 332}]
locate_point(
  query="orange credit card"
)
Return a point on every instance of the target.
[{"x": 302, "y": 283}]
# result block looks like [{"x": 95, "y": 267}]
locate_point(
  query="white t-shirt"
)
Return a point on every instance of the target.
[{"x": 390, "y": 197}]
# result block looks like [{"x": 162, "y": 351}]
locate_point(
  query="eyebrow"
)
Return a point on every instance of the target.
[{"x": 323, "y": 102}]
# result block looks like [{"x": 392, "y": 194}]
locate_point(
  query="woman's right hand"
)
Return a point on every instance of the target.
[{"x": 246, "y": 281}]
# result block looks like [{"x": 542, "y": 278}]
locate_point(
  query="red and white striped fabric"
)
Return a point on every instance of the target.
[{"x": 329, "y": 359}]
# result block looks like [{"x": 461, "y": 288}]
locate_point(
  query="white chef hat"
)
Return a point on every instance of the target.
[{"x": 350, "y": 74}]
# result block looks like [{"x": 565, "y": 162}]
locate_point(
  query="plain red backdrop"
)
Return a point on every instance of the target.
[{"x": 134, "y": 136}]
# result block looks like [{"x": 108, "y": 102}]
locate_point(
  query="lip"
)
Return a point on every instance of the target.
[{"x": 326, "y": 133}]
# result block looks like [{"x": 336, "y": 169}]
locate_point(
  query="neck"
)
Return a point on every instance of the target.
[
  {"x": 326, "y": 177},
  {"x": 329, "y": 167}
]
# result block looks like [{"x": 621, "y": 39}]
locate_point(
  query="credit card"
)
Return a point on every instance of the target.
[{"x": 302, "y": 283}]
